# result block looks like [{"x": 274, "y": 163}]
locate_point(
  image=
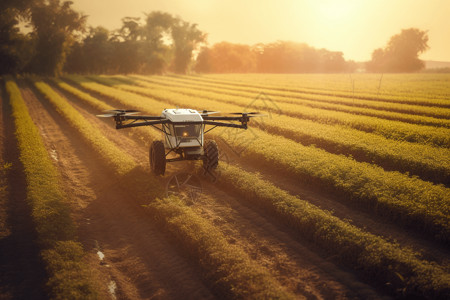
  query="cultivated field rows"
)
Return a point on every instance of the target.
[
  {"x": 251, "y": 233},
  {"x": 286, "y": 102},
  {"x": 408, "y": 206},
  {"x": 407, "y": 88},
  {"x": 429, "y": 162}
]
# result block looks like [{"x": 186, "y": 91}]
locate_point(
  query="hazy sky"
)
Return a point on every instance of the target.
[{"x": 355, "y": 27}]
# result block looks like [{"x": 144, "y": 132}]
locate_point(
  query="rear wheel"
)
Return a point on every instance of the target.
[
  {"x": 157, "y": 158},
  {"x": 211, "y": 160}
]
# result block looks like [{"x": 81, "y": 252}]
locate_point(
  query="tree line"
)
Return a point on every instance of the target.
[
  {"x": 61, "y": 41},
  {"x": 277, "y": 57}
]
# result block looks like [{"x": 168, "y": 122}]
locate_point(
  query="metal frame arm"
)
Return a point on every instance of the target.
[
  {"x": 207, "y": 120},
  {"x": 119, "y": 124},
  {"x": 242, "y": 126}
]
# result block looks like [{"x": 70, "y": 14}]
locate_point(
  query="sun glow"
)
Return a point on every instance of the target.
[{"x": 333, "y": 10}]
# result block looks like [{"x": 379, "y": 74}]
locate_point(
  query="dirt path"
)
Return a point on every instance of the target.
[
  {"x": 22, "y": 274},
  {"x": 138, "y": 262},
  {"x": 296, "y": 266}
]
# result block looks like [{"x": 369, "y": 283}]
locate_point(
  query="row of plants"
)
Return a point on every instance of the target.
[
  {"x": 229, "y": 268},
  {"x": 268, "y": 82},
  {"x": 390, "y": 129},
  {"x": 424, "y": 110},
  {"x": 291, "y": 106},
  {"x": 403, "y": 270},
  {"x": 429, "y": 163},
  {"x": 100, "y": 106},
  {"x": 416, "y": 87},
  {"x": 68, "y": 275},
  {"x": 398, "y": 197}
]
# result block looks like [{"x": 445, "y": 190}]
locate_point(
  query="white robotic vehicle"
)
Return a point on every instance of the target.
[{"x": 184, "y": 131}]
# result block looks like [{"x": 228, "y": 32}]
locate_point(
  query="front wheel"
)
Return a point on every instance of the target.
[
  {"x": 211, "y": 159},
  {"x": 157, "y": 158}
]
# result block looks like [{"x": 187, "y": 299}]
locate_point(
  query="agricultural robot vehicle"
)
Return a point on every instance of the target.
[{"x": 183, "y": 134}]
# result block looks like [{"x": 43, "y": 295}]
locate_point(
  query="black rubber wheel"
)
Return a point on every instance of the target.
[
  {"x": 157, "y": 158},
  {"x": 211, "y": 159}
]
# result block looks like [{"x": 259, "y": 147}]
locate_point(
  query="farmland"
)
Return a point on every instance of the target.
[{"x": 341, "y": 191}]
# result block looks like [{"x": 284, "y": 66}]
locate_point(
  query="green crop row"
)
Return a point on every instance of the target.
[
  {"x": 291, "y": 106},
  {"x": 390, "y": 129},
  {"x": 410, "y": 201},
  {"x": 110, "y": 154},
  {"x": 429, "y": 163},
  {"x": 100, "y": 106},
  {"x": 431, "y": 111},
  {"x": 68, "y": 276},
  {"x": 231, "y": 269},
  {"x": 238, "y": 81},
  {"x": 407, "y": 88},
  {"x": 401, "y": 268},
  {"x": 236, "y": 275}
]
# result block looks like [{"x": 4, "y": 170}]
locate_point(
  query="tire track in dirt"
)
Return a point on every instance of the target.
[
  {"x": 293, "y": 264},
  {"x": 22, "y": 273},
  {"x": 138, "y": 259}
]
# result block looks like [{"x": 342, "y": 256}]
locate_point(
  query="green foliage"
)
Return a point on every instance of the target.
[
  {"x": 116, "y": 159},
  {"x": 401, "y": 52},
  {"x": 55, "y": 25},
  {"x": 290, "y": 57},
  {"x": 186, "y": 38},
  {"x": 50, "y": 212},
  {"x": 68, "y": 273},
  {"x": 14, "y": 52}
]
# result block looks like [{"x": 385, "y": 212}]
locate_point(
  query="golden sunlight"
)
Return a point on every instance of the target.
[{"x": 333, "y": 10}]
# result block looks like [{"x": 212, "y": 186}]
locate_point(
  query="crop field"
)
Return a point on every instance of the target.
[{"x": 341, "y": 190}]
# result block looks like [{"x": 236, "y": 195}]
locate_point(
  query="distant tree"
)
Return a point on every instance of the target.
[
  {"x": 55, "y": 25},
  {"x": 97, "y": 50},
  {"x": 287, "y": 57},
  {"x": 401, "y": 53},
  {"x": 10, "y": 59},
  {"x": 226, "y": 57},
  {"x": 15, "y": 48},
  {"x": 131, "y": 29},
  {"x": 157, "y": 37},
  {"x": 186, "y": 38},
  {"x": 157, "y": 27},
  {"x": 331, "y": 61},
  {"x": 203, "y": 62}
]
